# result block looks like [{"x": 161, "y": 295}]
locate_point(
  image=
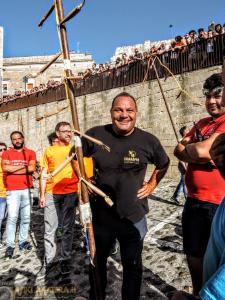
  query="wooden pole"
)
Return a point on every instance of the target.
[
  {"x": 43, "y": 69},
  {"x": 70, "y": 95},
  {"x": 46, "y": 15},
  {"x": 166, "y": 104}
]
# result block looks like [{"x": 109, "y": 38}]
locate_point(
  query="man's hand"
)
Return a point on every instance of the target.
[
  {"x": 41, "y": 202},
  {"x": 145, "y": 190},
  {"x": 47, "y": 176},
  {"x": 90, "y": 191},
  {"x": 148, "y": 187}
]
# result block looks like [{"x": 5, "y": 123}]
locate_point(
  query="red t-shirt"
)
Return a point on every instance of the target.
[
  {"x": 16, "y": 158},
  {"x": 204, "y": 182}
]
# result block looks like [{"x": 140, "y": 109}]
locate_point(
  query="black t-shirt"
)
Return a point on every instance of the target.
[{"x": 120, "y": 173}]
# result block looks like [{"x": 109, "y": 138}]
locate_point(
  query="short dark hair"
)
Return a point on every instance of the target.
[
  {"x": 3, "y": 144},
  {"x": 192, "y": 31},
  {"x": 200, "y": 30},
  {"x": 16, "y": 132},
  {"x": 51, "y": 137},
  {"x": 124, "y": 94},
  {"x": 63, "y": 123},
  {"x": 218, "y": 25},
  {"x": 215, "y": 80},
  {"x": 178, "y": 38},
  {"x": 182, "y": 130}
]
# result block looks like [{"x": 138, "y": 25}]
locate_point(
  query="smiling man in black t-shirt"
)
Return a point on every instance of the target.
[{"x": 120, "y": 174}]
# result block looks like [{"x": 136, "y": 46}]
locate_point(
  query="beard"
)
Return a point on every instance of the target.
[{"x": 18, "y": 147}]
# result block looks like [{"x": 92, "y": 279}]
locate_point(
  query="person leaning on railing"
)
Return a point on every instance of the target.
[{"x": 219, "y": 29}]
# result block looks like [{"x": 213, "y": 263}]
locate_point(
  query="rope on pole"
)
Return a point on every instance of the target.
[{"x": 166, "y": 104}]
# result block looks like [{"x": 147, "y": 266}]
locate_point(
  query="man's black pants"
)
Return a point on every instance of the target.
[{"x": 107, "y": 227}]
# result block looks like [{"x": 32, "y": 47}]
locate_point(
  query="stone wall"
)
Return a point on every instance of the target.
[{"x": 94, "y": 109}]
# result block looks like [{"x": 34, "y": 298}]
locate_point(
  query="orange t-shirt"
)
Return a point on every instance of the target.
[
  {"x": 88, "y": 166},
  {"x": 65, "y": 182},
  {"x": 2, "y": 184}
]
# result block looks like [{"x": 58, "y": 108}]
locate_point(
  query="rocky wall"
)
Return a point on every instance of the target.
[{"x": 93, "y": 109}]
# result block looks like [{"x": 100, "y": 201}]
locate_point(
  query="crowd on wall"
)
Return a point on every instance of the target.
[
  {"x": 180, "y": 44},
  {"x": 20, "y": 94}
]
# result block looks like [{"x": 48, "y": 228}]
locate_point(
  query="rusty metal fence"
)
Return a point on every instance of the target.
[{"x": 202, "y": 54}]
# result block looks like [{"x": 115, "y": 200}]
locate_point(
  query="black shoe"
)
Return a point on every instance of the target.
[
  {"x": 47, "y": 269},
  {"x": 65, "y": 267},
  {"x": 25, "y": 246},
  {"x": 9, "y": 252},
  {"x": 175, "y": 200}
]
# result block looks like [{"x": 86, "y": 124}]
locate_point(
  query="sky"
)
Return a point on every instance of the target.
[{"x": 102, "y": 25}]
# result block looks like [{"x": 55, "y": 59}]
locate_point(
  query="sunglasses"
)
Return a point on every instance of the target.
[
  {"x": 2, "y": 149},
  {"x": 215, "y": 91}
]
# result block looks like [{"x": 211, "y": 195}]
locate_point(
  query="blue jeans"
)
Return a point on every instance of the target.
[
  {"x": 18, "y": 203},
  {"x": 59, "y": 208},
  {"x": 214, "y": 260},
  {"x": 2, "y": 213},
  {"x": 181, "y": 187}
]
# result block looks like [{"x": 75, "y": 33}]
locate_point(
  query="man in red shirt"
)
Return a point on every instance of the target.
[
  {"x": 205, "y": 185},
  {"x": 18, "y": 163}
]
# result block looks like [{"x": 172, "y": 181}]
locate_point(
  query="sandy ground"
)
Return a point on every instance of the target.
[{"x": 165, "y": 268}]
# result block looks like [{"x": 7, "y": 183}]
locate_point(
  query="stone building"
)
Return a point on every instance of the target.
[
  {"x": 146, "y": 46},
  {"x": 19, "y": 72}
]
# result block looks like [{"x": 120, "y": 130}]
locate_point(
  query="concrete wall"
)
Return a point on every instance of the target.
[{"x": 94, "y": 109}]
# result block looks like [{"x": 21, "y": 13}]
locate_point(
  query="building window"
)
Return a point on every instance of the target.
[
  {"x": 30, "y": 86},
  {"x": 5, "y": 88}
]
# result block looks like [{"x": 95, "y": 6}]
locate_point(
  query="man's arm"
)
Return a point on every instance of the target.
[
  {"x": 148, "y": 187},
  {"x": 42, "y": 187},
  {"x": 195, "y": 152},
  {"x": 19, "y": 169},
  {"x": 200, "y": 150},
  {"x": 180, "y": 150},
  {"x": 217, "y": 153},
  {"x": 215, "y": 283}
]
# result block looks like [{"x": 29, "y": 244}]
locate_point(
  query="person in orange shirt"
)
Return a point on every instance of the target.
[
  {"x": 58, "y": 197},
  {"x": 3, "y": 147}
]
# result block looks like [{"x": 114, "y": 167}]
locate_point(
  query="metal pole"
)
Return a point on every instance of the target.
[
  {"x": 166, "y": 104},
  {"x": 70, "y": 95}
]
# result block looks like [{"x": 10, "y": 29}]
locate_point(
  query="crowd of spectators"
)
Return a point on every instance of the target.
[
  {"x": 180, "y": 44},
  {"x": 20, "y": 94}
]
